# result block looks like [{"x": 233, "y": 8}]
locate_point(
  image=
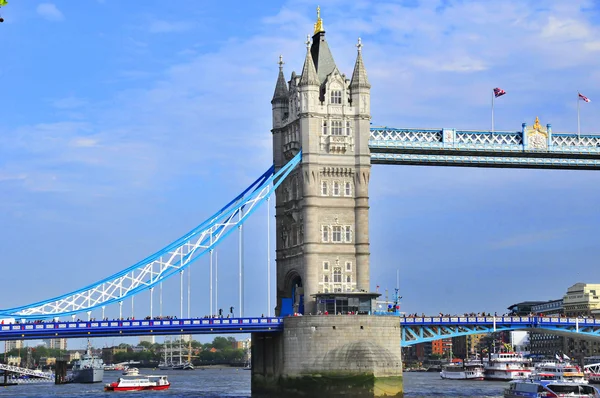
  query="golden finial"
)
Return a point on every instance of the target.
[
  {"x": 537, "y": 125},
  {"x": 319, "y": 23}
]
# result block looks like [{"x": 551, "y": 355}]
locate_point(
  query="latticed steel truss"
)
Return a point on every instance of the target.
[
  {"x": 423, "y": 329},
  {"x": 506, "y": 149},
  {"x": 165, "y": 263}
]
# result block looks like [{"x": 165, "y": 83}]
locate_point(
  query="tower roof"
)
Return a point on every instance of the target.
[
  {"x": 281, "y": 89},
  {"x": 321, "y": 55},
  {"x": 309, "y": 73},
  {"x": 359, "y": 76}
]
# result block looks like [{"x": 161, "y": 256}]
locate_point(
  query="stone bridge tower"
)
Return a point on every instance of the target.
[{"x": 322, "y": 209}]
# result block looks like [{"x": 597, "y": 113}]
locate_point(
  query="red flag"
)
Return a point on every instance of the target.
[
  {"x": 583, "y": 97},
  {"x": 498, "y": 92}
]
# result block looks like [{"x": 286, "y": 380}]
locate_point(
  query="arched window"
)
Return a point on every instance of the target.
[
  {"x": 324, "y": 127},
  {"x": 336, "y": 97},
  {"x": 336, "y": 188},
  {"x": 326, "y": 278},
  {"x": 348, "y": 279},
  {"x": 337, "y": 275},
  {"x": 347, "y": 189}
]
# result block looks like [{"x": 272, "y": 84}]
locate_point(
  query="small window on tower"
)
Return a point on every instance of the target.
[
  {"x": 348, "y": 234},
  {"x": 324, "y": 127},
  {"x": 324, "y": 188},
  {"x": 336, "y": 97},
  {"x": 347, "y": 189},
  {"x": 336, "y": 188},
  {"x": 336, "y": 235},
  {"x": 348, "y": 128},
  {"x": 325, "y": 234},
  {"x": 336, "y": 127}
]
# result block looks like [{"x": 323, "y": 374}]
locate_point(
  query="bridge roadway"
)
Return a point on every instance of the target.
[
  {"x": 143, "y": 327},
  {"x": 414, "y": 329}
]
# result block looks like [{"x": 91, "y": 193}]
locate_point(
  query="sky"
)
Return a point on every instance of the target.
[{"x": 125, "y": 124}]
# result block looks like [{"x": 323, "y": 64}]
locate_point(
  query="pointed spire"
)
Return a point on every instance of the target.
[
  {"x": 359, "y": 76},
  {"x": 319, "y": 23},
  {"x": 309, "y": 73},
  {"x": 281, "y": 89}
]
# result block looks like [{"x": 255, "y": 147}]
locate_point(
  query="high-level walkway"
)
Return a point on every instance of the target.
[{"x": 535, "y": 147}]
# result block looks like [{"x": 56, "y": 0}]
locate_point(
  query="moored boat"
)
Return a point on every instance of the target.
[
  {"x": 459, "y": 371},
  {"x": 507, "y": 366},
  {"x": 88, "y": 369},
  {"x": 563, "y": 371},
  {"x": 139, "y": 383}
]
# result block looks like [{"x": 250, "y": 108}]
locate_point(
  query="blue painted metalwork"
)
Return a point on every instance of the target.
[
  {"x": 423, "y": 329},
  {"x": 165, "y": 263},
  {"x": 121, "y": 328},
  {"x": 527, "y": 148}
]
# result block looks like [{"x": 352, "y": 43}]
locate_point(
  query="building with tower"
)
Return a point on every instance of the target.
[
  {"x": 322, "y": 216},
  {"x": 322, "y": 208}
]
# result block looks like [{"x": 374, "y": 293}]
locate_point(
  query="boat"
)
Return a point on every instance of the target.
[
  {"x": 594, "y": 378},
  {"x": 507, "y": 366},
  {"x": 562, "y": 371},
  {"x": 131, "y": 372},
  {"x": 460, "y": 371},
  {"x": 88, "y": 369},
  {"x": 549, "y": 388},
  {"x": 175, "y": 366},
  {"x": 139, "y": 383}
]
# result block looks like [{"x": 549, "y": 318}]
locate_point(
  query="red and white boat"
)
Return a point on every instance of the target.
[{"x": 139, "y": 383}]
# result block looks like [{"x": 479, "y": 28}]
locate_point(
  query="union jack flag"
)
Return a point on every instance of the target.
[
  {"x": 498, "y": 92},
  {"x": 583, "y": 97}
]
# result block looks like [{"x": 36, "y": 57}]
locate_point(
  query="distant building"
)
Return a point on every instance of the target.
[
  {"x": 13, "y": 360},
  {"x": 581, "y": 299},
  {"x": 466, "y": 346},
  {"x": 547, "y": 344},
  {"x": 524, "y": 308},
  {"x": 242, "y": 345},
  {"x": 56, "y": 344},
  {"x": 13, "y": 344},
  {"x": 148, "y": 339},
  {"x": 442, "y": 347}
]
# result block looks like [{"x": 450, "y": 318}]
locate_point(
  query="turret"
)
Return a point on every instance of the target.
[
  {"x": 280, "y": 98},
  {"x": 360, "y": 89},
  {"x": 308, "y": 87}
]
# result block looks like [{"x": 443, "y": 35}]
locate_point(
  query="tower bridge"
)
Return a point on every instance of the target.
[{"x": 323, "y": 149}]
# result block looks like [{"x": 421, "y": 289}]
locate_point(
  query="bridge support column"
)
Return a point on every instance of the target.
[{"x": 329, "y": 356}]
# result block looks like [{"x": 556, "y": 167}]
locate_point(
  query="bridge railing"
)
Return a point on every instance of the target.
[{"x": 536, "y": 320}]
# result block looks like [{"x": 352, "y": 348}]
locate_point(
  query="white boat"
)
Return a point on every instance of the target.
[
  {"x": 564, "y": 372},
  {"x": 468, "y": 371},
  {"x": 507, "y": 366},
  {"x": 131, "y": 372},
  {"x": 536, "y": 389},
  {"x": 138, "y": 383}
]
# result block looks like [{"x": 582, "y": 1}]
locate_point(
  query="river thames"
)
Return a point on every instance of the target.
[{"x": 228, "y": 382}]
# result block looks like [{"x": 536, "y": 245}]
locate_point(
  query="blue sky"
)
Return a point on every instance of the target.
[{"x": 125, "y": 124}]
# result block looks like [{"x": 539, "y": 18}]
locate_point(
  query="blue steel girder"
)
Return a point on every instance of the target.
[
  {"x": 165, "y": 263},
  {"x": 424, "y": 329},
  {"x": 506, "y": 149}
]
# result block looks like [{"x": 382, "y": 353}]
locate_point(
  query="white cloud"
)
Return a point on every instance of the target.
[{"x": 49, "y": 12}]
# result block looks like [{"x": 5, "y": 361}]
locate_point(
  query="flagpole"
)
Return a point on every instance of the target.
[
  {"x": 493, "y": 95},
  {"x": 578, "y": 121}
]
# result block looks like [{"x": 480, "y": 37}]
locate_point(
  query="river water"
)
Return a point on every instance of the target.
[{"x": 228, "y": 382}]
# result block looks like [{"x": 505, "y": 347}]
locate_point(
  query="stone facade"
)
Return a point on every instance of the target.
[
  {"x": 343, "y": 355},
  {"x": 322, "y": 208}
]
